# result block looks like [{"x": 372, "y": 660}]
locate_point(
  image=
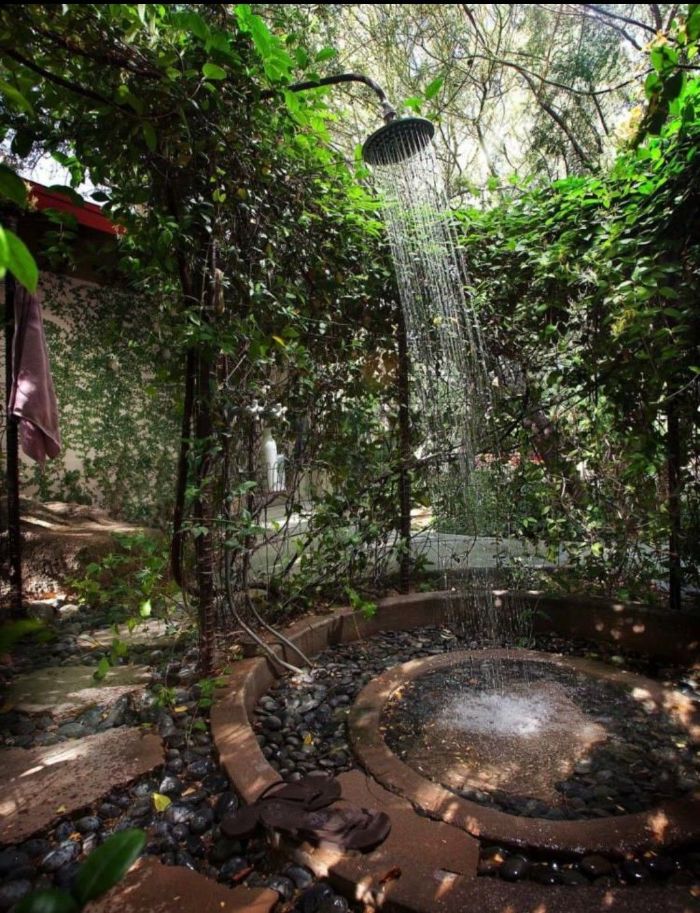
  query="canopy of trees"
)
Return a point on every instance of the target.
[{"x": 568, "y": 136}]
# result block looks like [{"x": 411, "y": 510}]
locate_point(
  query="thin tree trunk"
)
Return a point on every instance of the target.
[
  {"x": 674, "y": 463},
  {"x": 203, "y": 514},
  {"x": 405, "y": 460},
  {"x": 12, "y": 443}
]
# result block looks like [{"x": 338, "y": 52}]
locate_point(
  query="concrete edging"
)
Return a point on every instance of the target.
[
  {"x": 674, "y": 822},
  {"x": 598, "y": 620}
]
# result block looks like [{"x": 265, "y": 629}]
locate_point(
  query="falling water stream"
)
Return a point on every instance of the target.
[{"x": 453, "y": 381}]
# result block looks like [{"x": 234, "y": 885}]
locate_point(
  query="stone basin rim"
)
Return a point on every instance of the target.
[{"x": 667, "y": 824}]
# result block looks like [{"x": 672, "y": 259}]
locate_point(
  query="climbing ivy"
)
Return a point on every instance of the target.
[
  {"x": 588, "y": 290},
  {"x": 119, "y": 400}
]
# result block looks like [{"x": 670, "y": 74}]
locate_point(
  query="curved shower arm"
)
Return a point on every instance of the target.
[{"x": 388, "y": 110}]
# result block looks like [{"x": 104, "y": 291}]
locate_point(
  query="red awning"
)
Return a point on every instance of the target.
[{"x": 88, "y": 214}]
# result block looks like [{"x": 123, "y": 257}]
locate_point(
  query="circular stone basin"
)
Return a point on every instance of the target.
[
  {"x": 517, "y": 747},
  {"x": 531, "y": 738}
]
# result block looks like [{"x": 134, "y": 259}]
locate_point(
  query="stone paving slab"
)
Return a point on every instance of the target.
[
  {"x": 154, "y": 633},
  {"x": 67, "y": 690},
  {"x": 154, "y": 888},
  {"x": 419, "y": 863},
  {"x": 39, "y": 785}
]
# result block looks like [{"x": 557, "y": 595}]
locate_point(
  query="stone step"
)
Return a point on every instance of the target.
[
  {"x": 63, "y": 691},
  {"x": 154, "y": 888},
  {"x": 417, "y": 867},
  {"x": 154, "y": 633},
  {"x": 40, "y": 785}
]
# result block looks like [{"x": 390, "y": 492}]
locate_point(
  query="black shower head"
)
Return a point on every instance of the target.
[{"x": 398, "y": 140}]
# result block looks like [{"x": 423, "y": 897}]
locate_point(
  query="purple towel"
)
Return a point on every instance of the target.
[{"x": 32, "y": 398}]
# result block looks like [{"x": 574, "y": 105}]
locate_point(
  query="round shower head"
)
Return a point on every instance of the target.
[{"x": 398, "y": 140}]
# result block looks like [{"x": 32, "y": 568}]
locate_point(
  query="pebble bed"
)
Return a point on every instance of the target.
[
  {"x": 187, "y": 833},
  {"x": 301, "y": 727},
  {"x": 645, "y": 759}
]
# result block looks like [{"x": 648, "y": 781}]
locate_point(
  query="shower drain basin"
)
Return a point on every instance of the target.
[{"x": 535, "y": 751}]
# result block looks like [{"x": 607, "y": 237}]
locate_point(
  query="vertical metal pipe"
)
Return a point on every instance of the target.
[{"x": 12, "y": 447}]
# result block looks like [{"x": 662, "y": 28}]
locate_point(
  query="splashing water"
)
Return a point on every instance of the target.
[{"x": 452, "y": 379}]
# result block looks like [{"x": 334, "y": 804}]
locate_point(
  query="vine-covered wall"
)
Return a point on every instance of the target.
[{"x": 119, "y": 402}]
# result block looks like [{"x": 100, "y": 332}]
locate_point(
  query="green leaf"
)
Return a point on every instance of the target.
[
  {"x": 102, "y": 669},
  {"x": 413, "y": 103},
  {"x": 653, "y": 84},
  {"x": 434, "y": 87},
  {"x": 692, "y": 24},
  {"x": 108, "y": 864},
  {"x": 194, "y": 22},
  {"x": 12, "y": 186},
  {"x": 326, "y": 54},
  {"x": 149, "y": 134},
  {"x": 262, "y": 38},
  {"x": 213, "y": 71},
  {"x": 663, "y": 58},
  {"x": 22, "y": 142},
  {"x": 14, "y": 98},
  {"x": 20, "y": 262},
  {"x": 145, "y": 609},
  {"x": 50, "y": 901},
  {"x": 69, "y": 192}
]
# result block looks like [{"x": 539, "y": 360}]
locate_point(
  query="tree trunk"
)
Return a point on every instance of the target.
[
  {"x": 203, "y": 514},
  {"x": 404, "y": 461},
  {"x": 674, "y": 462},
  {"x": 14, "y": 532}
]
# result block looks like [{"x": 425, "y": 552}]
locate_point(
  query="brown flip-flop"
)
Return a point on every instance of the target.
[
  {"x": 242, "y": 823},
  {"x": 283, "y": 804},
  {"x": 312, "y": 792},
  {"x": 347, "y": 827}
]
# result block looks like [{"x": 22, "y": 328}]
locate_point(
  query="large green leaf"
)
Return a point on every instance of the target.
[
  {"x": 49, "y": 901},
  {"x": 12, "y": 186},
  {"x": 692, "y": 25},
  {"x": 14, "y": 98},
  {"x": 213, "y": 71},
  {"x": 15, "y": 256},
  {"x": 434, "y": 87},
  {"x": 108, "y": 864}
]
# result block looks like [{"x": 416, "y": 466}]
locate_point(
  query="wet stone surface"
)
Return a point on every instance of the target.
[
  {"x": 187, "y": 832},
  {"x": 607, "y": 753},
  {"x": 301, "y": 727}
]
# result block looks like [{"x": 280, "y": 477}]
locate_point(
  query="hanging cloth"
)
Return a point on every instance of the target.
[{"x": 32, "y": 398}]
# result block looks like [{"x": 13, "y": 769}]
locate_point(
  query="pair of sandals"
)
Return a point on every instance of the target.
[{"x": 305, "y": 810}]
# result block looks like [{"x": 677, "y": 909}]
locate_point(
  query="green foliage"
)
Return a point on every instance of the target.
[
  {"x": 671, "y": 55},
  {"x": 15, "y": 257},
  {"x": 104, "y": 868},
  {"x": 588, "y": 289},
  {"x": 131, "y": 582},
  {"x": 117, "y": 380},
  {"x": 11, "y": 632},
  {"x": 359, "y": 604}
]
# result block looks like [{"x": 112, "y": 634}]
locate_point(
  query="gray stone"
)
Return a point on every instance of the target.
[
  {"x": 11, "y": 860},
  {"x": 63, "y": 854},
  {"x": 88, "y": 824},
  {"x": 13, "y": 891}
]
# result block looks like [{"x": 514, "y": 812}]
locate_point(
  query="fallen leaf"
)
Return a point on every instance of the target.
[{"x": 160, "y": 802}]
